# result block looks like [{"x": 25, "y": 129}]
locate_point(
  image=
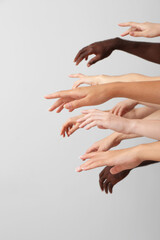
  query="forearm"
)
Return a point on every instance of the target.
[
  {"x": 139, "y": 91},
  {"x": 139, "y": 113},
  {"x": 145, "y": 50},
  {"x": 131, "y": 77},
  {"x": 149, "y": 151},
  {"x": 147, "y": 128},
  {"x": 146, "y": 163}
]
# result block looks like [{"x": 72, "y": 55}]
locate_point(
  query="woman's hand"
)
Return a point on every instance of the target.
[
  {"x": 83, "y": 96},
  {"x": 90, "y": 80},
  {"x": 120, "y": 160},
  {"x": 104, "y": 120},
  {"x": 70, "y": 126},
  {"x": 123, "y": 107},
  {"x": 106, "y": 143},
  {"x": 146, "y": 29}
]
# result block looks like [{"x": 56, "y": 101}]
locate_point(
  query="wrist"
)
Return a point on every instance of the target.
[{"x": 139, "y": 153}]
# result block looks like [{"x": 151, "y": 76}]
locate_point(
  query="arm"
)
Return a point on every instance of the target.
[
  {"x": 148, "y": 127},
  {"x": 95, "y": 95},
  {"x": 145, "y": 50},
  {"x": 123, "y": 159},
  {"x": 103, "y": 49},
  {"x": 101, "y": 79},
  {"x": 107, "y": 180}
]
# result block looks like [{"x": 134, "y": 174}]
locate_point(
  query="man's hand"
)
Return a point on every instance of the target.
[
  {"x": 101, "y": 50},
  {"x": 107, "y": 180},
  {"x": 146, "y": 29}
]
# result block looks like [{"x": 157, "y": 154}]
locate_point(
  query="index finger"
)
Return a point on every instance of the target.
[
  {"x": 128, "y": 24},
  {"x": 79, "y": 53},
  {"x": 59, "y": 94}
]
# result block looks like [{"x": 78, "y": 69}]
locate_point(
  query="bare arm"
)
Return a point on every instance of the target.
[{"x": 103, "y": 49}]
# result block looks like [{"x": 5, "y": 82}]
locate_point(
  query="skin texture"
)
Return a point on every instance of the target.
[
  {"x": 121, "y": 160},
  {"x": 103, "y": 49},
  {"x": 126, "y": 106},
  {"x": 106, "y": 120},
  {"x": 101, "y": 79},
  {"x": 95, "y": 95},
  {"x": 71, "y": 125},
  {"x": 107, "y": 180},
  {"x": 146, "y": 29}
]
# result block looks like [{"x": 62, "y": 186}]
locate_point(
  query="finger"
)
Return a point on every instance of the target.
[
  {"x": 117, "y": 169},
  {"x": 106, "y": 186},
  {"x": 81, "y": 57},
  {"x": 73, "y": 129},
  {"x": 60, "y": 108},
  {"x": 58, "y": 103},
  {"x": 77, "y": 75},
  {"x": 76, "y": 104},
  {"x": 129, "y": 24},
  {"x": 110, "y": 188},
  {"x": 120, "y": 113},
  {"x": 87, "y": 156},
  {"x": 116, "y": 111},
  {"x": 136, "y": 34},
  {"x": 92, "y": 163},
  {"x": 92, "y": 149},
  {"x": 91, "y": 125},
  {"x": 79, "y": 53},
  {"x": 101, "y": 185},
  {"x": 91, "y": 111},
  {"x": 113, "y": 110},
  {"x": 101, "y": 173},
  {"x": 78, "y": 83},
  {"x": 125, "y": 33},
  {"x": 60, "y": 94},
  {"x": 87, "y": 121},
  {"x": 93, "y": 60}
]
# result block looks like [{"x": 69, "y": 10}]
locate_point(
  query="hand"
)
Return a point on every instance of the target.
[
  {"x": 89, "y": 80},
  {"x": 105, "y": 144},
  {"x": 120, "y": 160},
  {"x": 101, "y": 49},
  {"x": 70, "y": 126},
  {"x": 79, "y": 97},
  {"x": 123, "y": 107},
  {"x": 146, "y": 29},
  {"x": 107, "y": 180},
  {"x": 104, "y": 120}
]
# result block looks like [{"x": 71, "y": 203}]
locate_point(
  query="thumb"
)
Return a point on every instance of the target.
[
  {"x": 117, "y": 169},
  {"x": 136, "y": 34},
  {"x": 93, "y": 60},
  {"x": 76, "y": 104}
]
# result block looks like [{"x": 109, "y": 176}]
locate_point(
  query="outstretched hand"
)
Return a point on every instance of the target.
[
  {"x": 107, "y": 180},
  {"x": 146, "y": 29},
  {"x": 100, "y": 49}
]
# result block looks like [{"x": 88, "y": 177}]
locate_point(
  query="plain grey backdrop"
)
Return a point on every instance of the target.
[{"x": 41, "y": 195}]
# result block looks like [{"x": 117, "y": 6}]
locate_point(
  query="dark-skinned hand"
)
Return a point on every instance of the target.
[
  {"x": 100, "y": 49},
  {"x": 107, "y": 180}
]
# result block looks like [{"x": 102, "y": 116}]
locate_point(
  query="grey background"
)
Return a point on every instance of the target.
[{"x": 41, "y": 195}]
